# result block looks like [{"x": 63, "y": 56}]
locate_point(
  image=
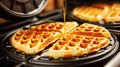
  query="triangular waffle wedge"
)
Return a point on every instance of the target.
[
  {"x": 85, "y": 39},
  {"x": 114, "y": 14},
  {"x": 38, "y": 37},
  {"x": 76, "y": 45},
  {"x": 91, "y": 30},
  {"x": 93, "y": 13},
  {"x": 57, "y": 27}
]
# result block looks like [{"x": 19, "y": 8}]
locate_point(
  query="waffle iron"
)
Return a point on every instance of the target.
[{"x": 39, "y": 60}]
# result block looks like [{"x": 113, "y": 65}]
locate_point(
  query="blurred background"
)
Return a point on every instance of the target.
[{"x": 53, "y": 5}]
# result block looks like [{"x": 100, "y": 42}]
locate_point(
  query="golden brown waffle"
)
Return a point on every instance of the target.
[
  {"x": 37, "y": 38},
  {"x": 76, "y": 45},
  {"x": 114, "y": 14},
  {"x": 98, "y": 12},
  {"x": 85, "y": 39},
  {"x": 93, "y": 13},
  {"x": 91, "y": 30},
  {"x": 57, "y": 27}
]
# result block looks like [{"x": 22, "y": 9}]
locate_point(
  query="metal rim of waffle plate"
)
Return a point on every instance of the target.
[
  {"x": 75, "y": 63},
  {"x": 18, "y": 57},
  {"x": 113, "y": 25}
]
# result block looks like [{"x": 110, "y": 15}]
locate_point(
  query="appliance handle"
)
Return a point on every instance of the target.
[{"x": 115, "y": 62}]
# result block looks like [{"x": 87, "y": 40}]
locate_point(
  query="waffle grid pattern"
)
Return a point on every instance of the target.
[
  {"x": 37, "y": 38},
  {"x": 80, "y": 42}
]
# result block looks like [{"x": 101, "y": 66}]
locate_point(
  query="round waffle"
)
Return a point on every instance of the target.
[
  {"x": 67, "y": 39},
  {"x": 36, "y": 38},
  {"x": 85, "y": 39},
  {"x": 98, "y": 12},
  {"x": 93, "y": 13}
]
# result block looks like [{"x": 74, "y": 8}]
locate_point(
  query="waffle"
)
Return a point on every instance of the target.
[
  {"x": 93, "y": 13},
  {"x": 85, "y": 39},
  {"x": 37, "y": 38},
  {"x": 57, "y": 27},
  {"x": 114, "y": 14},
  {"x": 91, "y": 30}
]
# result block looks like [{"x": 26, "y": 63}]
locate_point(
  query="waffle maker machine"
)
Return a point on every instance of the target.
[{"x": 23, "y": 18}]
